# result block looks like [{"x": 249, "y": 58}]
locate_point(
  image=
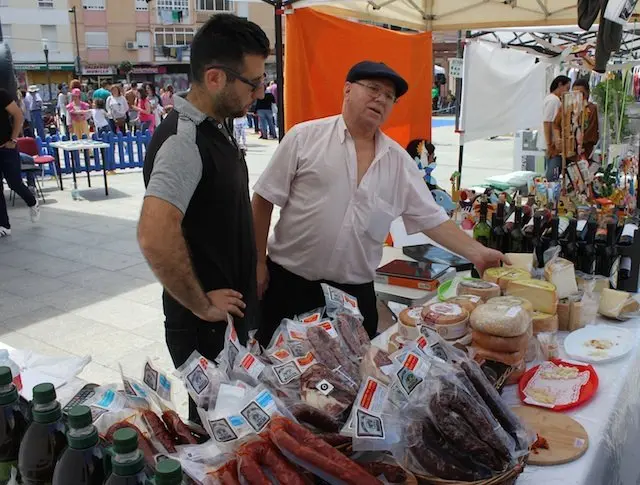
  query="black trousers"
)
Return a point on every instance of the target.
[
  {"x": 10, "y": 171},
  {"x": 185, "y": 333},
  {"x": 289, "y": 295}
]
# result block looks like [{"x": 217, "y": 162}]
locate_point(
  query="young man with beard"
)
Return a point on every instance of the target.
[
  {"x": 340, "y": 182},
  {"x": 196, "y": 228}
]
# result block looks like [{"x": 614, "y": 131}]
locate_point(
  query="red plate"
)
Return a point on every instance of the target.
[{"x": 586, "y": 392}]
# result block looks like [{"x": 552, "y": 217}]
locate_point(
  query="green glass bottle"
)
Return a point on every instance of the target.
[{"x": 482, "y": 230}]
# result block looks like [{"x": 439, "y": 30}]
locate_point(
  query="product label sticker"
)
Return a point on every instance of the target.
[
  {"x": 329, "y": 327},
  {"x": 439, "y": 351},
  {"x": 222, "y": 430},
  {"x": 513, "y": 311},
  {"x": 296, "y": 331},
  {"x": 255, "y": 416},
  {"x": 305, "y": 361},
  {"x": 578, "y": 443},
  {"x": 198, "y": 380},
  {"x": 281, "y": 355},
  {"x": 421, "y": 342},
  {"x": 313, "y": 318},
  {"x": 157, "y": 381},
  {"x": 325, "y": 387},
  {"x": 286, "y": 372},
  {"x": 408, "y": 380},
  {"x": 415, "y": 313},
  {"x": 448, "y": 309},
  {"x": 251, "y": 365},
  {"x": 368, "y": 425}
]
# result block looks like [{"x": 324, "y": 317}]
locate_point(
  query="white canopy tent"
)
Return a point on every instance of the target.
[{"x": 425, "y": 15}]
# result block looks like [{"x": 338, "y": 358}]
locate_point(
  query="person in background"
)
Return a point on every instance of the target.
[
  {"x": 252, "y": 118},
  {"x": 156, "y": 104},
  {"x": 167, "y": 99},
  {"x": 79, "y": 112},
  {"x": 87, "y": 93},
  {"x": 197, "y": 184},
  {"x": 131, "y": 95},
  {"x": 100, "y": 117},
  {"x": 265, "y": 116},
  {"x": 145, "y": 113},
  {"x": 240, "y": 133},
  {"x": 11, "y": 119},
  {"x": 340, "y": 182},
  {"x": 273, "y": 89},
  {"x": 33, "y": 104},
  {"x": 61, "y": 108},
  {"x": 117, "y": 107},
  {"x": 589, "y": 136},
  {"x": 435, "y": 97},
  {"x": 26, "y": 129},
  {"x": 551, "y": 108},
  {"x": 102, "y": 93}
]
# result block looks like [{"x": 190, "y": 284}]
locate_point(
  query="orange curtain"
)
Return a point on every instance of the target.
[{"x": 319, "y": 51}]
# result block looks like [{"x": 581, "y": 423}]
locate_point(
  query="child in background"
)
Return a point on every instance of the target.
[
  {"x": 79, "y": 112},
  {"x": 239, "y": 126},
  {"x": 100, "y": 117}
]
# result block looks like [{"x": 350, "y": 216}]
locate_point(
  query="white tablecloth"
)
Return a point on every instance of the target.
[{"x": 611, "y": 419}]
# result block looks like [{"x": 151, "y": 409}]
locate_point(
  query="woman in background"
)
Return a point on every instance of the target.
[
  {"x": 117, "y": 107},
  {"x": 145, "y": 114},
  {"x": 79, "y": 112},
  {"x": 167, "y": 99},
  {"x": 156, "y": 104}
]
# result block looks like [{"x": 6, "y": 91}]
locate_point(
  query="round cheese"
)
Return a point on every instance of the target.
[
  {"x": 541, "y": 294},
  {"x": 448, "y": 319},
  {"x": 468, "y": 302},
  {"x": 500, "y": 344},
  {"x": 410, "y": 318},
  {"x": 513, "y": 301},
  {"x": 508, "y": 358},
  {"x": 501, "y": 319},
  {"x": 513, "y": 275},
  {"x": 483, "y": 289},
  {"x": 493, "y": 275},
  {"x": 543, "y": 322}
]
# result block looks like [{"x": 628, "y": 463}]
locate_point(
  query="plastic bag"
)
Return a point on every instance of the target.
[
  {"x": 202, "y": 380},
  {"x": 549, "y": 348},
  {"x": 157, "y": 380},
  {"x": 227, "y": 358},
  {"x": 253, "y": 345},
  {"x": 314, "y": 316},
  {"x": 326, "y": 390},
  {"x": 338, "y": 301},
  {"x": 259, "y": 461},
  {"x": 353, "y": 334}
]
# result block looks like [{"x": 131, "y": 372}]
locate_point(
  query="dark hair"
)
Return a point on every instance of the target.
[
  {"x": 225, "y": 39},
  {"x": 143, "y": 93},
  {"x": 105, "y": 84},
  {"x": 412, "y": 147},
  {"x": 152, "y": 88},
  {"x": 117, "y": 86},
  {"x": 99, "y": 103},
  {"x": 582, "y": 83},
  {"x": 169, "y": 88},
  {"x": 559, "y": 81}
]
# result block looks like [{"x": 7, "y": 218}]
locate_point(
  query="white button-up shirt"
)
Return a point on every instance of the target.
[{"x": 331, "y": 228}]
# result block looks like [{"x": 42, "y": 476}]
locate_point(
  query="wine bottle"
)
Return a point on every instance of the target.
[
  {"x": 497, "y": 239},
  {"x": 626, "y": 239},
  {"x": 515, "y": 239},
  {"x": 536, "y": 240},
  {"x": 569, "y": 242},
  {"x": 606, "y": 251},
  {"x": 553, "y": 239},
  {"x": 482, "y": 230},
  {"x": 587, "y": 249}
]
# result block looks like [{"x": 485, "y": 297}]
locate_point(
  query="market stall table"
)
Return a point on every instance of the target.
[
  {"x": 611, "y": 419},
  {"x": 77, "y": 146}
]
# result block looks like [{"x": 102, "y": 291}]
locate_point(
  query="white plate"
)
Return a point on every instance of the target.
[{"x": 577, "y": 345}]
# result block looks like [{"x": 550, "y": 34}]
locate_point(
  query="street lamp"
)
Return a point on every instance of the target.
[
  {"x": 45, "y": 48},
  {"x": 75, "y": 25}
]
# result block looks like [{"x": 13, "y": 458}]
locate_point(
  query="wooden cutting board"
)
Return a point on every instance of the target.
[{"x": 567, "y": 439}]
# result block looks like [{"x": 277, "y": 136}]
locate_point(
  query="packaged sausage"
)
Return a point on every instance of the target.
[
  {"x": 314, "y": 316},
  {"x": 227, "y": 358},
  {"x": 157, "y": 380},
  {"x": 260, "y": 462},
  {"x": 202, "y": 379},
  {"x": 338, "y": 301}
]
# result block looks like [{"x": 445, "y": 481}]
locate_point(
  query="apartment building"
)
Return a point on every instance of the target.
[
  {"x": 29, "y": 25},
  {"x": 154, "y": 36}
]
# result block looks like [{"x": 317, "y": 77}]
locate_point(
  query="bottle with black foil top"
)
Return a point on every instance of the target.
[{"x": 569, "y": 242}]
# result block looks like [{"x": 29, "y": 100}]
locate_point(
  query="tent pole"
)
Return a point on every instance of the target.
[
  {"x": 459, "y": 55},
  {"x": 278, "y": 11}
]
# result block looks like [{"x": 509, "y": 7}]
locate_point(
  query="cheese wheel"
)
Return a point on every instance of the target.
[
  {"x": 541, "y": 294},
  {"x": 513, "y": 301},
  {"x": 520, "y": 260},
  {"x": 518, "y": 371},
  {"x": 543, "y": 322},
  {"x": 493, "y": 274},
  {"x": 409, "y": 319},
  {"x": 500, "y": 344},
  {"x": 468, "y": 302},
  {"x": 483, "y": 289},
  {"x": 612, "y": 303},
  {"x": 501, "y": 320},
  {"x": 513, "y": 275},
  {"x": 562, "y": 274},
  {"x": 448, "y": 319},
  {"x": 508, "y": 358}
]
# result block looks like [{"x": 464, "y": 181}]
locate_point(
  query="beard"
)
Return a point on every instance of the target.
[{"x": 228, "y": 104}]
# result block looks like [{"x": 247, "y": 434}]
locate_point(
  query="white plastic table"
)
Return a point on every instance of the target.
[{"x": 77, "y": 146}]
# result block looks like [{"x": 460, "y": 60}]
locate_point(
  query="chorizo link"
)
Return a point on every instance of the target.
[
  {"x": 253, "y": 456},
  {"x": 315, "y": 417},
  {"x": 303, "y": 444},
  {"x": 177, "y": 428},
  {"x": 159, "y": 431},
  {"x": 227, "y": 474},
  {"x": 392, "y": 473}
]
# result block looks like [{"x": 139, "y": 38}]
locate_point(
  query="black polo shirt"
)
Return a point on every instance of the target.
[{"x": 194, "y": 163}]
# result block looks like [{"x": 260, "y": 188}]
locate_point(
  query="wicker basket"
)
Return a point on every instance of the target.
[{"x": 508, "y": 477}]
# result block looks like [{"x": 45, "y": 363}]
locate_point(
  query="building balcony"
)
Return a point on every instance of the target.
[{"x": 179, "y": 54}]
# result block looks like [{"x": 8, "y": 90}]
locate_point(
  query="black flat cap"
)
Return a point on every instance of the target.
[{"x": 377, "y": 70}]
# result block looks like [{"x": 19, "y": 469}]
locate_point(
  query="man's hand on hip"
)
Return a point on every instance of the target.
[
  {"x": 262, "y": 275},
  {"x": 222, "y": 302}
]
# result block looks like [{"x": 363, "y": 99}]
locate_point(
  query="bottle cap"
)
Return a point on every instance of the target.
[
  {"x": 125, "y": 440},
  {"x": 5, "y": 376},
  {"x": 168, "y": 472},
  {"x": 44, "y": 393},
  {"x": 79, "y": 417}
]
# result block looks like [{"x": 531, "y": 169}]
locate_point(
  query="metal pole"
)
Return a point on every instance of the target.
[
  {"x": 459, "y": 55},
  {"x": 46, "y": 60},
  {"x": 75, "y": 25},
  {"x": 1, "y": 37},
  {"x": 278, "y": 12}
]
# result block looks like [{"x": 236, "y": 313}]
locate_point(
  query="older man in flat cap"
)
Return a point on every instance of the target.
[{"x": 339, "y": 183}]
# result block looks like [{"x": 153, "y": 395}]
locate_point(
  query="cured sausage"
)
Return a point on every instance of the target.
[
  {"x": 227, "y": 474},
  {"x": 392, "y": 473},
  {"x": 178, "y": 429},
  {"x": 308, "y": 448},
  {"x": 259, "y": 454},
  {"x": 328, "y": 351},
  {"x": 159, "y": 431},
  {"x": 307, "y": 414}
]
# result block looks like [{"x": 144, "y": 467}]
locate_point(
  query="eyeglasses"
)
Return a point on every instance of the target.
[
  {"x": 376, "y": 91},
  {"x": 255, "y": 85}
]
